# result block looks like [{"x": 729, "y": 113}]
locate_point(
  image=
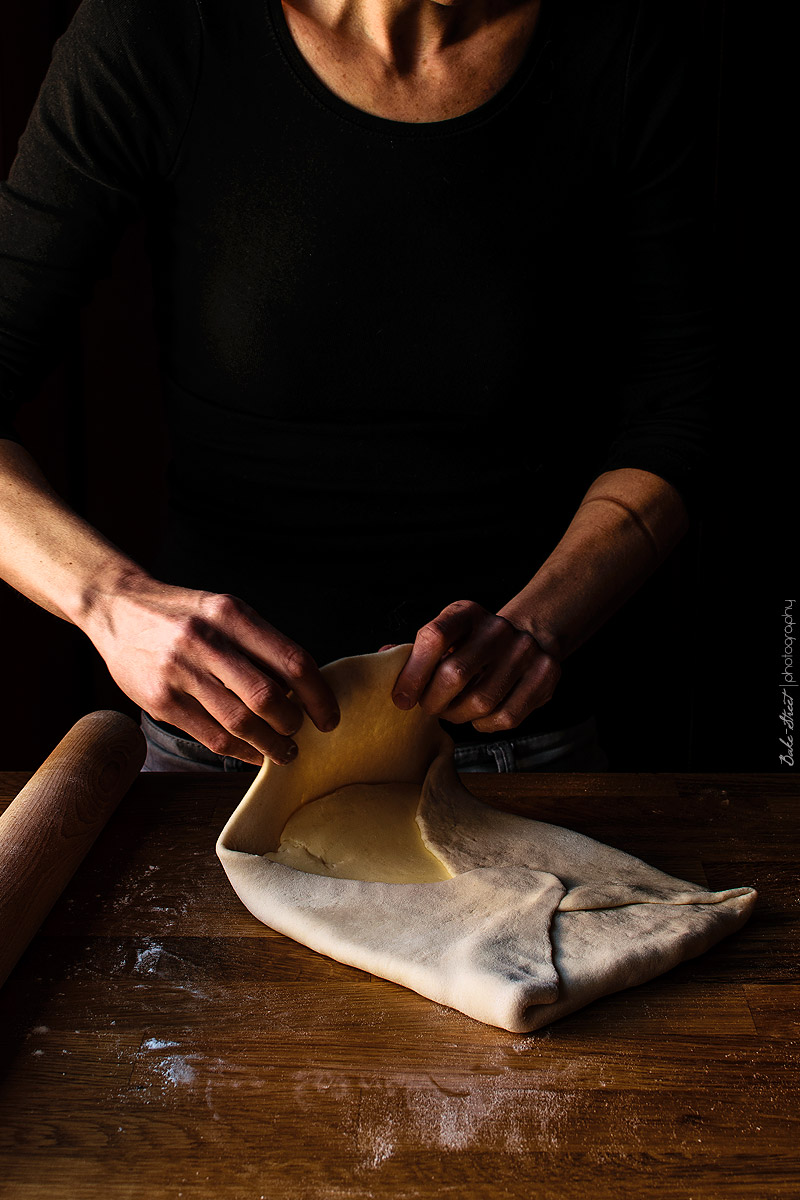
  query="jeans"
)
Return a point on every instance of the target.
[{"x": 573, "y": 749}]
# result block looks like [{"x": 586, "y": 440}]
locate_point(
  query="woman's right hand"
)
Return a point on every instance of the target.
[
  {"x": 210, "y": 665},
  {"x": 206, "y": 663}
]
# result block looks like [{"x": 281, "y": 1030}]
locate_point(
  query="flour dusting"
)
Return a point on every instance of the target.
[
  {"x": 459, "y": 1115},
  {"x": 174, "y": 1069},
  {"x": 147, "y": 959}
]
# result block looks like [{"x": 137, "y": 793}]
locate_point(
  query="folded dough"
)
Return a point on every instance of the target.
[
  {"x": 362, "y": 831},
  {"x": 533, "y": 922}
]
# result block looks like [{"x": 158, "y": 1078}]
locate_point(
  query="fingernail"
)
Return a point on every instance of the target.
[
  {"x": 401, "y": 700},
  {"x": 289, "y": 753},
  {"x": 329, "y": 724}
]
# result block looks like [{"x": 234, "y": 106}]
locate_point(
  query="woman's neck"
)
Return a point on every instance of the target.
[
  {"x": 412, "y": 60},
  {"x": 406, "y": 34}
]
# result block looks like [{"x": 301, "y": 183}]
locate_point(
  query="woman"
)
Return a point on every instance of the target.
[{"x": 432, "y": 311}]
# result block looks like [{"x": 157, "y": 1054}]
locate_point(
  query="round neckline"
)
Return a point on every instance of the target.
[{"x": 387, "y": 125}]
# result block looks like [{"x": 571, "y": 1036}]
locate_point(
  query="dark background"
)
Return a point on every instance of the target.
[{"x": 691, "y": 664}]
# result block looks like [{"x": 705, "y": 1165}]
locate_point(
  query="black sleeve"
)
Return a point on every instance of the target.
[
  {"x": 666, "y": 189},
  {"x": 104, "y": 134}
]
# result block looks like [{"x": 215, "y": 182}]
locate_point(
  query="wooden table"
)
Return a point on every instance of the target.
[{"x": 158, "y": 1041}]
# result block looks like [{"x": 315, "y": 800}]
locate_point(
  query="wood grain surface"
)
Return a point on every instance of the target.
[{"x": 158, "y": 1041}]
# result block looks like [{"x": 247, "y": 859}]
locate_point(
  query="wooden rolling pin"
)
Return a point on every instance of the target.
[{"x": 47, "y": 830}]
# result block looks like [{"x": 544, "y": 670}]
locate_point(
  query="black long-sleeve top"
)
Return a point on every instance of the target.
[{"x": 394, "y": 354}]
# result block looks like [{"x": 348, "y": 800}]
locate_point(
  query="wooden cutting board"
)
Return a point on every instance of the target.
[{"x": 158, "y": 1041}]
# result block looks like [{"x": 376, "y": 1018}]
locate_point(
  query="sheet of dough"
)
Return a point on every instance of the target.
[
  {"x": 534, "y": 920},
  {"x": 362, "y": 831}
]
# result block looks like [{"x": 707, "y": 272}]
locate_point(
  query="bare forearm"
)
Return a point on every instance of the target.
[
  {"x": 204, "y": 662},
  {"x": 627, "y": 523},
  {"x": 47, "y": 551}
]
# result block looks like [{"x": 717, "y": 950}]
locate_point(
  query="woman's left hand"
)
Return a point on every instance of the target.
[{"x": 473, "y": 665}]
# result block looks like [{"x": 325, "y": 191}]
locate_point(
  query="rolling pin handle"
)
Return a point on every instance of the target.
[{"x": 47, "y": 830}]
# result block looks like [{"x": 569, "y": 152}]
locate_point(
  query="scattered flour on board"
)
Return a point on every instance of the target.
[
  {"x": 154, "y": 960},
  {"x": 170, "y": 1071},
  {"x": 138, "y": 887},
  {"x": 147, "y": 959},
  {"x": 507, "y": 1119},
  {"x": 164, "y": 1072},
  {"x": 175, "y": 1069}
]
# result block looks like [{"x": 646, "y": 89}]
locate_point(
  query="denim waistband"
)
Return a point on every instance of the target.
[{"x": 575, "y": 748}]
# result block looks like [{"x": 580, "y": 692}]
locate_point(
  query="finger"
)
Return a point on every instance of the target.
[
  {"x": 533, "y": 690},
  {"x": 430, "y": 645},
  {"x": 307, "y": 683},
  {"x": 477, "y": 663},
  {"x": 282, "y": 657},
  {"x": 489, "y": 690},
  {"x": 192, "y": 718},
  {"x": 236, "y": 720},
  {"x": 261, "y": 694}
]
